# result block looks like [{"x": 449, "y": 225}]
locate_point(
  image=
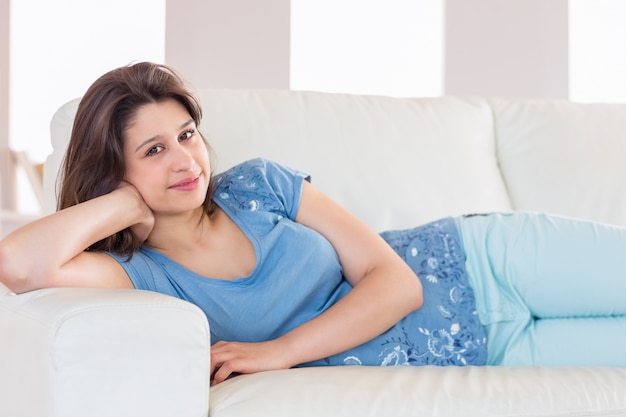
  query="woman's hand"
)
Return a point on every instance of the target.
[
  {"x": 142, "y": 228},
  {"x": 228, "y": 358}
]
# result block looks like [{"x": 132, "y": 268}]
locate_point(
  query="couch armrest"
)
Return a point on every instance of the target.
[{"x": 75, "y": 352}]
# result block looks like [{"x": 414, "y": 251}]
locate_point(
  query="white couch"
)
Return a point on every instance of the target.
[{"x": 395, "y": 163}]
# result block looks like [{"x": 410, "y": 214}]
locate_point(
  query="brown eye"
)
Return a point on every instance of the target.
[
  {"x": 186, "y": 135},
  {"x": 154, "y": 150}
]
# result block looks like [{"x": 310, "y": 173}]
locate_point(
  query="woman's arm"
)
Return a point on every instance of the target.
[
  {"x": 385, "y": 290},
  {"x": 50, "y": 252}
]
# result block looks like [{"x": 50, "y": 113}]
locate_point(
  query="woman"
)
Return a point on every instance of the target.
[{"x": 286, "y": 276}]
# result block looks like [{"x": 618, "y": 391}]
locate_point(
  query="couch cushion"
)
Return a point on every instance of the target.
[
  {"x": 395, "y": 163},
  {"x": 423, "y": 391},
  {"x": 563, "y": 157}
]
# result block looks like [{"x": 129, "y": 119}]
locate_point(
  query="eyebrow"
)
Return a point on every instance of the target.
[{"x": 157, "y": 137}]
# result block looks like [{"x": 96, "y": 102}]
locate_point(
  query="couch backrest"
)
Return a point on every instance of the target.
[
  {"x": 393, "y": 162},
  {"x": 563, "y": 157},
  {"x": 399, "y": 162}
]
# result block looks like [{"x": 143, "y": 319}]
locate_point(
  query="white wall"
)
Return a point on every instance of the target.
[
  {"x": 597, "y": 50},
  {"x": 6, "y": 183},
  {"x": 387, "y": 47},
  {"x": 230, "y": 44},
  {"x": 507, "y": 48},
  {"x": 391, "y": 47}
]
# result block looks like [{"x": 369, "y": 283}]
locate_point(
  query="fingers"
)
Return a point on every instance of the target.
[
  {"x": 223, "y": 361},
  {"x": 144, "y": 223},
  {"x": 229, "y": 358},
  {"x": 222, "y": 373}
]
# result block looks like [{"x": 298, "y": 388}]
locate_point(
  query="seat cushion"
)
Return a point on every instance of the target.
[{"x": 423, "y": 391}]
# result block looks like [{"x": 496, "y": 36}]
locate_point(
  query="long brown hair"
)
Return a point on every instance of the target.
[{"x": 94, "y": 160}]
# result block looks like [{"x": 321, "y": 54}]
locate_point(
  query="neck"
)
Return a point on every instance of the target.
[{"x": 175, "y": 232}]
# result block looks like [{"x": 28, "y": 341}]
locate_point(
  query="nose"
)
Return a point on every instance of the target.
[{"x": 182, "y": 159}]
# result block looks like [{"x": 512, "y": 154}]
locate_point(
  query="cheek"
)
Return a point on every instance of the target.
[
  {"x": 202, "y": 156},
  {"x": 132, "y": 174},
  {"x": 141, "y": 179}
]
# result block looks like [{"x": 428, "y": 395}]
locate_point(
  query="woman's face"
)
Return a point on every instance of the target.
[{"x": 166, "y": 158}]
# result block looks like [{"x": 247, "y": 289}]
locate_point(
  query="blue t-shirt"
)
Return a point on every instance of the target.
[{"x": 262, "y": 198}]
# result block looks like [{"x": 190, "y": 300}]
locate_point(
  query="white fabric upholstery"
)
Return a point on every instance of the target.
[
  {"x": 561, "y": 157},
  {"x": 78, "y": 352},
  {"x": 424, "y": 391},
  {"x": 388, "y": 160},
  {"x": 395, "y": 163},
  {"x": 60, "y": 130}
]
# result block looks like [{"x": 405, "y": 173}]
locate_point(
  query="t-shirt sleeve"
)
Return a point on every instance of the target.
[
  {"x": 143, "y": 271},
  {"x": 286, "y": 183},
  {"x": 262, "y": 184}
]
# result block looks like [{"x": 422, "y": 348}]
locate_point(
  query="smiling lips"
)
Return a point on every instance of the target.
[{"x": 187, "y": 184}]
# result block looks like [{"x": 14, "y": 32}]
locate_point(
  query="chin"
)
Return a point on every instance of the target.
[{"x": 180, "y": 206}]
